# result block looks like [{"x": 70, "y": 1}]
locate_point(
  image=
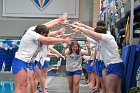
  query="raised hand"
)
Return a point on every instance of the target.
[
  {"x": 70, "y": 35},
  {"x": 61, "y": 35},
  {"x": 76, "y": 30},
  {"x": 62, "y": 30},
  {"x": 63, "y": 17},
  {"x": 68, "y": 39},
  {"x": 85, "y": 61},
  {"x": 62, "y": 57},
  {"x": 64, "y": 45},
  {"x": 66, "y": 22},
  {"x": 56, "y": 55},
  {"x": 77, "y": 23},
  {"x": 83, "y": 35},
  {"x": 88, "y": 43}
]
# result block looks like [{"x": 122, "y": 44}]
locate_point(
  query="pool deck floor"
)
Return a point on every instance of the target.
[{"x": 55, "y": 84}]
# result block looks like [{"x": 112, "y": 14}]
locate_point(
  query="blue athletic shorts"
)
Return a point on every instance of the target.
[
  {"x": 77, "y": 72},
  {"x": 31, "y": 66},
  {"x": 96, "y": 66},
  {"x": 88, "y": 67},
  {"x": 46, "y": 65},
  {"x": 101, "y": 68},
  {"x": 17, "y": 65},
  {"x": 116, "y": 69}
]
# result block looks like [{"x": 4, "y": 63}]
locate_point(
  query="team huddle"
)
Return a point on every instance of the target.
[{"x": 102, "y": 60}]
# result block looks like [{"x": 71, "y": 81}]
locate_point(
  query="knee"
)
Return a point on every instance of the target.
[
  {"x": 71, "y": 86},
  {"x": 76, "y": 85},
  {"x": 45, "y": 75},
  {"x": 109, "y": 90},
  {"x": 20, "y": 86}
]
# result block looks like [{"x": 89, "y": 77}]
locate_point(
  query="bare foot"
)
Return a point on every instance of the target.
[
  {"x": 101, "y": 92},
  {"x": 94, "y": 91},
  {"x": 90, "y": 86},
  {"x": 45, "y": 92}
]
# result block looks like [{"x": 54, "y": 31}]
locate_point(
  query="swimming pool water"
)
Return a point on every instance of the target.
[{"x": 7, "y": 85}]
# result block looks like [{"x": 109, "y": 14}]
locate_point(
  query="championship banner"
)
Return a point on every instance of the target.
[{"x": 40, "y": 8}]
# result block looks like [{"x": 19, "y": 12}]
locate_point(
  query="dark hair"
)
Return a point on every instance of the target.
[
  {"x": 101, "y": 23},
  {"x": 70, "y": 48},
  {"x": 41, "y": 29},
  {"x": 100, "y": 29}
]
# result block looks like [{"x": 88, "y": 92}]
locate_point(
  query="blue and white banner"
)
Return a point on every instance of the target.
[{"x": 40, "y": 8}]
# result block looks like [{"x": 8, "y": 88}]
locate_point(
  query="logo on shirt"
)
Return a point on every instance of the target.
[
  {"x": 41, "y": 4},
  {"x": 74, "y": 57}
]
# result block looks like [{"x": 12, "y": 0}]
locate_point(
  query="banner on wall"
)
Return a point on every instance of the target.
[{"x": 40, "y": 8}]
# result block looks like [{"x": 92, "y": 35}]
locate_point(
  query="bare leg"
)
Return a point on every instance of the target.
[
  {"x": 76, "y": 80},
  {"x": 70, "y": 81},
  {"x": 111, "y": 83},
  {"x": 37, "y": 77},
  {"x": 102, "y": 85},
  {"x": 118, "y": 89},
  {"x": 104, "y": 76},
  {"x": 97, "y": 86},
  {"x": 92, "y": 80},
  {"x": 28, "y": 88},
  {"x": 103, "y": 79},
  {"x": 85, "y": 73},
  {"x": 32, "y": 81},
  {"x": 20, "y": 81},
  {"x": 88, "y": 78},
  {"x": 43, "y": 79}
]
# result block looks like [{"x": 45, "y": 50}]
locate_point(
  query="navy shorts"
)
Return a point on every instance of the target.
[
  {"x": 17, "y": 65},
  {"x": 116, "y": 69},
  {"x": 77, "y": 72}
]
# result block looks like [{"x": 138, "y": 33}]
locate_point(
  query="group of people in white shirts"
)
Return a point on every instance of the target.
[{"x": 30, "y": 64}]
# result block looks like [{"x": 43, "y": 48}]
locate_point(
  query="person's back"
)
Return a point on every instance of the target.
[
  {"x": 109, "y": 49},
  {"x": 28, "y": 45},
  {"x": 113, "y": 62}
]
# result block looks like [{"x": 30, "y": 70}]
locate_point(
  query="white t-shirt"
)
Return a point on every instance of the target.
[
  {"x": 84, "y": 56},
  {"x": 98, "y": 51},
  {"x": 42, "y": 55},
  {"x": 93, "y": 44},
  {"x": 74, "y": 61},
  {"x": 28, "y": 45},
  {"x": 45, "y": 52},
  {"x": 109, "y": 50},
  {"x": 91, "y": 40},
  {"x": 90, "y": 57}
]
